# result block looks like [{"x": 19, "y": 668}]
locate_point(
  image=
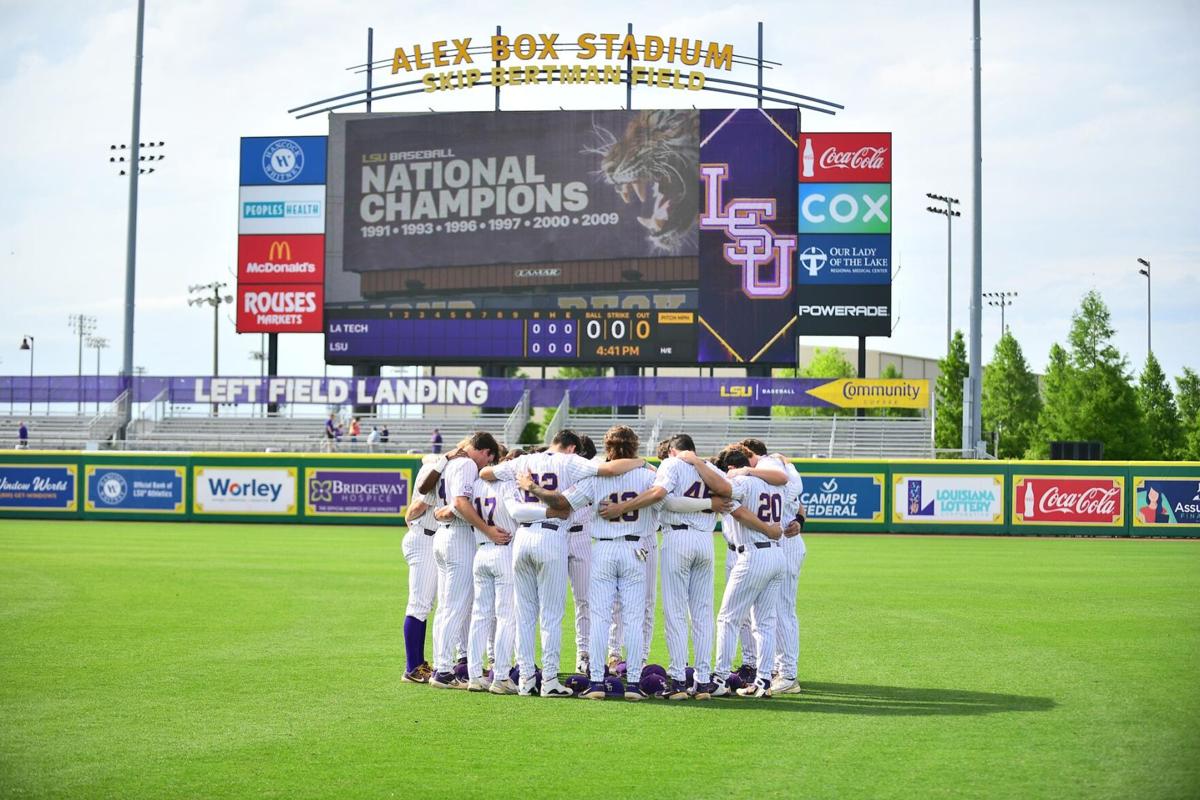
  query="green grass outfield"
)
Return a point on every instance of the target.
[{"x": 173, "y": 660}]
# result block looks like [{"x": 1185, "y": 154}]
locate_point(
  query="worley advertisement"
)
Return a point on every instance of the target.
[
  {"x": 1064, "y": 500},
  {"x": 134, "y": 489},
  {"x": 244, "y": 490},
  {"x": 958, "y": 499},
  {"x": 356, "y": 492},
  {"x": 1166, "y": 501},
  {"x": 843, "y": 498},
  {"x": 38, "y": 487},
  {"x": 427, "y": 190}
]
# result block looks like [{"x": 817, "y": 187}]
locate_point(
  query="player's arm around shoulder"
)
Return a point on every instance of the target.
[{"x": 716, "y": 482}]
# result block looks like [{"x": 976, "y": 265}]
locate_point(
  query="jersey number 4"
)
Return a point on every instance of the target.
[{"x": 699, "y": 490}]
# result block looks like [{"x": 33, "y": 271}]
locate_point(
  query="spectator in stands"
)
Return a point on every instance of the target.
[
  {"x": 331, "y": 434},
  {"x": 435, "y": 441},
  {"x": 384, "y": 434},
  {"x": 355, "y": 429},
  {"x": 372, "y": 439},
  {"x": 22, "y": 436}
]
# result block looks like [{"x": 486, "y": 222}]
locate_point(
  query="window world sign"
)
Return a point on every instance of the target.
[{"x": 509, "y": 57}]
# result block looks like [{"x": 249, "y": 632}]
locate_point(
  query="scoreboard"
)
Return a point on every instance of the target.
[{"x": 540, "y": 336}]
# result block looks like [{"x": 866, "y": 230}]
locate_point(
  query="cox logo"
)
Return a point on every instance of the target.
[{"x": 845, "y": 208}]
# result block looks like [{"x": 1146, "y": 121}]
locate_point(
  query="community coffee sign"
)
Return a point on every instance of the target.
[{"x": 548, "y": 58}]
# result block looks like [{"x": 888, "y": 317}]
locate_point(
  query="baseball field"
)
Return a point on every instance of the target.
[{"x": 149, "y": 660}]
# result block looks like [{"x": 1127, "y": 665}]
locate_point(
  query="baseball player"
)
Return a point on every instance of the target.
[
  {"x": 417, "y": 547},
  {"x": 579, "y": 559},
  {"x": 756, "y": 577},
  {"x": 540, "y": 555},
  {"x": 454, "y": 553},
  {"x": 618, "y": 557},
  {"x": 686, "y": 561}
]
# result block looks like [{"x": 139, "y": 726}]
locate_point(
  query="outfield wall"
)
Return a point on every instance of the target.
[{"x": 1093, "y": 498}]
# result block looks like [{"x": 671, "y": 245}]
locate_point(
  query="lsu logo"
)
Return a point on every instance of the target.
[
  {"x": 754, "y": 245},
  {"x": 280, "y": 251},
  {"x": 737, "y": 391}
]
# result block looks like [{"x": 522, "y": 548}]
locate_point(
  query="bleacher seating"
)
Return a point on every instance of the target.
[{"x": 48, "y": 432}]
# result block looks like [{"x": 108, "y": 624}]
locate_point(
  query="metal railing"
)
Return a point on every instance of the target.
[
  {"x": 560, "y": 419},
  {"x": 517, "y": 420}
]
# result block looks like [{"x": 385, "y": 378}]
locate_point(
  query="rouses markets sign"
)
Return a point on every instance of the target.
[{"x": 1062, "y": 500}]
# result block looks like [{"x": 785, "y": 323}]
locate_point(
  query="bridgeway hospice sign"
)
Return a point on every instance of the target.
[{"x": 356, "y": 492}]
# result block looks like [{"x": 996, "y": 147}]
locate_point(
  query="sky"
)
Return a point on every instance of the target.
[{"x": 1091, "y": 119}]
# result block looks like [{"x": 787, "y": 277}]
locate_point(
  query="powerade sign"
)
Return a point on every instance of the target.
[
  {"x": 141, "y": 489},
  {"x": 244, "y": 490},
  {"x": 846, "y": 260},
  {"x": 38, "y": 487},
  {"x": 356, "y": 492},
  {"x": 843, "y": 498},
  {"x": 1166, "y": 501},
  {"x": 279, "y": 160}
]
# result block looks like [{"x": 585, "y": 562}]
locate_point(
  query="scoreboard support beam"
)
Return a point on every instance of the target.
[
  {"x": 862, "y": 369},
  {"x": 272, "y": 366},
  {"x": 758, "y": 371},
  {"x": 368, "y": 369},
  {"x": 625, "y": 411}
]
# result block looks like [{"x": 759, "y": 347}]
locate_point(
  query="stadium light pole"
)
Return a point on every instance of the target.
[
  {"x": 1001, "y": 300},
  {"x": 261, "y": 357},
  {"x": 99, "y": 343},
  {"x": 210, "y": 294},
  {"x": 84, "y": 325},
  {"x": 949, "y": 213},
  {"x": 1146, "y": 271},
  {"x": 27, "y": 344},
  {"x": 972, "y": 410}
]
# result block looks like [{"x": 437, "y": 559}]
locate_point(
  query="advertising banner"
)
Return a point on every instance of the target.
[
  {"x": 845, "y": 208},
  {"x": 244, "y": 490},
  {"x": 874, "y": 393},
  {"x": 124, "y": 489},
  {"x": 281, "y": 209},
  {"x": 838, "y": 259},
  {"x": 519, "y": 187},
  {"x": 844, "y": 310},
  {"x": 356, "y": 492},
  {"x": 958, "y": 499},
  {"x": 281, "y": 258},
  {"x": 747, "y": 236},
  {"x": 843, "y": 498},
  {"x": 39, "y": 487},
  {"x": 846, "y": 157},
  {"x": 280, "y": 308},
  {"x": 1064, "y": 500},
  {"x": 277, "y": 160},
  {"x": 1166, "y": 501}
]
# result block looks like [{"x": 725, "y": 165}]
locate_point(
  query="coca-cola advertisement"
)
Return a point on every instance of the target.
[
  {"x": 845, "y": 157},
  {"x": 1061, "y": 500}
]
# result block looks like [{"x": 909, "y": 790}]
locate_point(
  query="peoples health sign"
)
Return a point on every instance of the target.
[
  {"x": 843, "y": 498},
  {"x": 139, "y": 490},
  {"x": 960, "y": 499},
  {"x": 244, "y": 490},
  {"x": 356, "y": 492}
]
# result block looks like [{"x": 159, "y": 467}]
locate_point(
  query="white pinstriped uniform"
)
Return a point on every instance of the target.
[
  {"x": 616, "y": 569},
  {"x": 757, "y": 576},
  {"x": 540, "y": 558},
  {"x": 745, "y": 636},
  {"x": 787, "y": 650},
  {"x": 687, "y": 571},
  {"x": 616, "y": 631},
  {"x": 454, "y": 552},
  {"x": 579, "y": 564},
  {"x": 417, "y": 547},
  {"x": 492, "y": 609}
]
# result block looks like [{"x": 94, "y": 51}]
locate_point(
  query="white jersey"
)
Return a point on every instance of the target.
[
  {"x": 762, "y": 500},
  {"x": 488, "y": 499},
  {"x": 682, "y": 480},
  {"x": 791, "y": 496},
  {"x": 430, "y": 499},
  {"x": 553, "y": 471},
  {"x": 615, "y": 489},
  {"x": 457, "y": 481}
]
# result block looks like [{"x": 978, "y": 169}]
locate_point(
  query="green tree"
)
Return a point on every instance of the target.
[
  {"x": 1188, "y": 398},
  {"x": 890, "y": 372},
  {"x": 1095, "y": 400},
  {"x": 1058, "y": 406},
  {"x": 952, "y": 370},
  {"x": 1164, "y": 438},
  {"x": 828, "y": 363},
  {"x": 1011, "y": 402}
]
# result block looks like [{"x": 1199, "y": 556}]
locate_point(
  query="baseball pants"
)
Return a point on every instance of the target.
[
  {"x": 616, "y": 631},
  {"x": 492, "y": 610},
  {"x": 687, "y": 589},
  {"x": 617, "y": 572},
  {"x": 540, "y": 581},
  {"x": 745, "y": 634},
  {"x": 579, "y": 557},
  {"x": 454, "y": 552},
  {"x": 422, "y": 573},
  {"x": 787, "y": 635},
  {"x": 754, "y": 583}
]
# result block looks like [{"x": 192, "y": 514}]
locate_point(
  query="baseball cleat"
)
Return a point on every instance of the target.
[
  {"x": 446, "y": 680},
  {"x": 759, "y": 689},
  {"x": 584, "y": 667},
  {"x": 719, "y": 688},
  {"x": 477, "y": 685},
  {"x": 552, "y": 688},
  {"x": 595, "y": 691},
  {"x": 528, "y": 687},
  {"x": 747, "y": 673},
  {"x": 675, "y": 690},
  {"x": 505, "y": 686},
  {"x": 612, "y": 662},
  {"x": 634, "y": 692},
  {"x": 704, "y": 691},
  {"x": 419, "y": 674},
  {"x": 785, "y": 686}
]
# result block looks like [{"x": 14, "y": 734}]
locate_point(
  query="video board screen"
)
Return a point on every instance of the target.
[{"x": 555, "y": 237}]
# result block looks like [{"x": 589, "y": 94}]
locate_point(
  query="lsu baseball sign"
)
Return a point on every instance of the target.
[
  {"x": 1062, "y": 500},
  {"x": 134, "y": 489},
  {"x": 39, "y": 487},
  {"x": 945, "y": 499},
  {"x": 244, "y": 490}
]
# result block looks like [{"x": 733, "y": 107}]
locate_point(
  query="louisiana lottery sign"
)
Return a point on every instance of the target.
[
  {"x": 945, "y": 499},
  {"x": 244, "y": 490},
  {"x": 1166, "y": 501},
  {"x": 38, "y": 487},
  {"x": 843, "y": 498},
  {"x": 134, "y": 489},
  {"x": 1060, "y": 500},
  {"x": 356, "y": 492}
]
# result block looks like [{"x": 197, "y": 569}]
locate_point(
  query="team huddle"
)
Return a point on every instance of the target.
[{"x": 496, "y": 536}]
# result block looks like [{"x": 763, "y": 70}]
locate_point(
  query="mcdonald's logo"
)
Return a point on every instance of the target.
[
  {"x": 278, "y": 258},
  {"x": 280, "y": 251}
]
